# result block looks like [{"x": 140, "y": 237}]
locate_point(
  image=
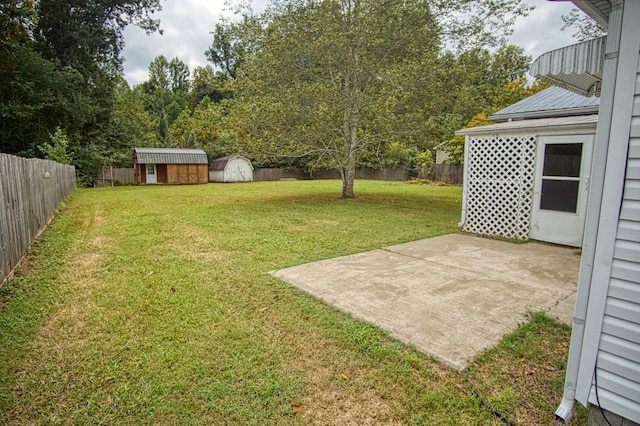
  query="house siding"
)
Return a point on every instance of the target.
[{"x": 618, "y": 358}]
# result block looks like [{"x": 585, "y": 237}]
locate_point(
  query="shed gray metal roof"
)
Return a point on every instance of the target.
[
  {"x": 170, "y": 156},
  {"x": 552, "y": 102}
]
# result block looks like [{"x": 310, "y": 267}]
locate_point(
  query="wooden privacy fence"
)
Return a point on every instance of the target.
[
  {"x": 448, "y": 173},
  {"x": 114, "y": 176},
  {"x": 30, "y": 191},
  {"x": 264, "y": 174},
  {"x": 267, "y": 174}
]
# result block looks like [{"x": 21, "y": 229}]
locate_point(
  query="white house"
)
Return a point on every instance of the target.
[
  {"x": 527, "y": 175},
  {"x": 230, "y": 169},
  {"x": 603, "y": 369}
]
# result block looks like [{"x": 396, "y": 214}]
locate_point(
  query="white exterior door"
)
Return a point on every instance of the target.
[
  {"x": 236, "y": 171},
  {"x": 151, "y": 173},
  {"x": 561, "y": 189}
]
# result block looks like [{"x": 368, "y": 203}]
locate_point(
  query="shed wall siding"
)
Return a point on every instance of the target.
[
  {"x": 499, "y": 180},
  {"x": 618, "y": 357},
  {"x": 216, "y": 175},
  {"x": 187, "y": 173}
]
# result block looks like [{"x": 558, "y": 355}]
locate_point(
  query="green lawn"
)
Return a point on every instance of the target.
[{"x": 153, "y": 305}]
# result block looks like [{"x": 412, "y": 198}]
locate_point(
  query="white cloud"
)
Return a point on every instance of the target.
[
  {"x": 187, "y": 25},
  {"x": 541, "y": 32}
]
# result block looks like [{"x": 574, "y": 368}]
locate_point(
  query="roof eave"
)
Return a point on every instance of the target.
[
  {"x": 501, "y": 118},
  {"x": 591, "y": 8},
  {"x": 537, "y": 126}
]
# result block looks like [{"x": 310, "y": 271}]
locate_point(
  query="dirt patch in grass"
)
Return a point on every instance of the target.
[
  {"x": 23, "y": 268},
  {"x": 336, "y": 407},
  {"x": 93, "y": 220},
  {"x": 340, "y": 395}
]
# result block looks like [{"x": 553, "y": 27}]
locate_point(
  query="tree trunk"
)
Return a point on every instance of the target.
[
  {"x": 351, "y": 116},
  {"x": 348, "y": 176},
  {"x": 348, "y": 172}
]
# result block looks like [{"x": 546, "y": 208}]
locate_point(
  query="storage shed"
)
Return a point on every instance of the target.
[
  {"x": 169, "y": 166},
  {"x": 230, "y": 169},
  {"x": 527, "y": 176}
]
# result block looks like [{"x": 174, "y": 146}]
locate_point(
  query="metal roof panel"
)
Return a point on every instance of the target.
[
  {"x": 577, "y": 67},
  {"x": 552, "y": 102},
  {"x": 170, "y": 156}
]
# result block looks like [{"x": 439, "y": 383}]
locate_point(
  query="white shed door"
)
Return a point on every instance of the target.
[
  {"x": 563, "y": 166},
  {"x": 237, "y": 171},
  {"x": 151, "y": 173}
]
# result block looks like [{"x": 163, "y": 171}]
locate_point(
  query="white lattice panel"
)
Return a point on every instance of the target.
[{"x": 500, "y": 175}]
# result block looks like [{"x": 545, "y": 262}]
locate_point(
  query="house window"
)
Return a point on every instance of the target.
[{"x": 151, "y": 170}]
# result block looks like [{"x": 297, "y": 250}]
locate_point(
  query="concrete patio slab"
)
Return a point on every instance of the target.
[{"x": 451, "y": 296}]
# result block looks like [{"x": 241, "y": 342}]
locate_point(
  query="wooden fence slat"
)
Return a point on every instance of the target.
[
  {"x": 113, "y": 176},
  {"x": 448, "y": 173},
  {"x": 27, "y": 203}
]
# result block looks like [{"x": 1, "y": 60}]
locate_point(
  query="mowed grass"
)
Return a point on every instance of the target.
[{"x": 153, "y": 305}]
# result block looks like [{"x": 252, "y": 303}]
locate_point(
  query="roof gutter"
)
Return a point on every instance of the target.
[{"x": 500, "y": 128}]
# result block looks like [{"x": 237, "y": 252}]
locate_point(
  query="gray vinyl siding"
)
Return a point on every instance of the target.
[{"x": 618, "y": 361}]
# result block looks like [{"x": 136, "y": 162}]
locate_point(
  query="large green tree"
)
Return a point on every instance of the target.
[
  {"x": 87, "y": 34},
  {"x": 234, "y": 42},
  {"x": 335, "y": 81},
  {"x": 204, "y": 129},
  {"x": 165, "y": 94},
  {"x": 171, "y": 75},
  {"x": 206, "y": 84},
  {"x": 59, "y": 61},
  {"x": 326, "y": 72},
  {"x": 130, "y": 126}
]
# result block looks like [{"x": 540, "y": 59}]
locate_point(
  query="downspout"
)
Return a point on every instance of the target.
[{"x": 601, "y": 145}]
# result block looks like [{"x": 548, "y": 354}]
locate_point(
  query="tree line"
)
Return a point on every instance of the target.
[{"x": 305, "y": 84}]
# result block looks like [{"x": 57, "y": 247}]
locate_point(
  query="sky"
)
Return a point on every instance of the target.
[{"x": 187, "y": 26}]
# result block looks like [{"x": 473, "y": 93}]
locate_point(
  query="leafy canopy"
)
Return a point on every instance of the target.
[{"x": 337, "y": 82}]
